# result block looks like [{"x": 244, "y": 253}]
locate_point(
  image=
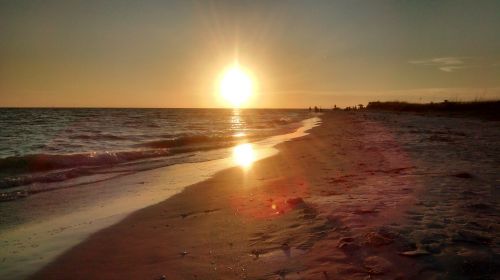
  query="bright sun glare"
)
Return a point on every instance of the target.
[
  {"x": 235, "y": 86},
  {"x": 243, "y": 155}
]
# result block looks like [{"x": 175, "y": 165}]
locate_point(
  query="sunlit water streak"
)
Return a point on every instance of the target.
[{"x": 48, "y": 145}]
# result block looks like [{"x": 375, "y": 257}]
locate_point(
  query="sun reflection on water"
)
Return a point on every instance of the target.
[
  {"x": 244, "y": 155},
  {"x": 237, "y": 122},
  {"x": 239, "y": 134}
]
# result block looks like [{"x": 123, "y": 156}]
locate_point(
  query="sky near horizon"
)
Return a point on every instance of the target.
[{"x": 300, "y": 53}]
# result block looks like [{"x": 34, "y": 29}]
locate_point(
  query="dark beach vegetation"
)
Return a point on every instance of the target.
[{"x": 483, "y": 109}]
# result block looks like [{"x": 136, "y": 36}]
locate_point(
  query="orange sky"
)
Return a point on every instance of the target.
[{"x": 170, "y": 54}]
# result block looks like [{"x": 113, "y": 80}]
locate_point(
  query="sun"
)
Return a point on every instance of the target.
[{"x": 236, "y": 86}]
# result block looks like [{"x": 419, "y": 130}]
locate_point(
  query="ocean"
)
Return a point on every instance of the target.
[{"x": 46, "y": 145}]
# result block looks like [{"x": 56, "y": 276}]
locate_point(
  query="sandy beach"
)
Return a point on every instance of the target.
[
  {"x": 259, "y": 140},
  {"x": 366, "y": 195}
]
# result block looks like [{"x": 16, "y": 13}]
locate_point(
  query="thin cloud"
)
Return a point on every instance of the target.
[
  {"x": 446, "y": 64},
  {"x": 451, "y": 68}
]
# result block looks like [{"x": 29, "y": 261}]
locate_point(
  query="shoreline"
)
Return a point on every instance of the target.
[
  {"x": 273, "y": 220},
  {"x": 72, "y": 214},
  {"x": 363, "y": 195}
]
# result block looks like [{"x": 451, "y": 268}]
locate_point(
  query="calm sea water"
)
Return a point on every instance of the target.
[{"x": 50, "y": 145}]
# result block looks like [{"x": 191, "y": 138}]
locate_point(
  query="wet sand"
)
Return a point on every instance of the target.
[{"x": 364, "y": 196}]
